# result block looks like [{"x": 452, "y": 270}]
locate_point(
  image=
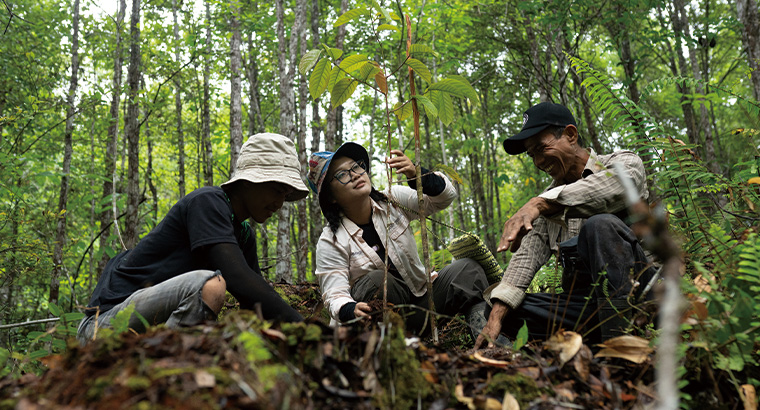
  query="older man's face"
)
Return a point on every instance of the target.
[{"x": 555, "y": 156}]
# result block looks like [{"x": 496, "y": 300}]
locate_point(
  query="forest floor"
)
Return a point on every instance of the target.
[{"x": 242, "y": 362}]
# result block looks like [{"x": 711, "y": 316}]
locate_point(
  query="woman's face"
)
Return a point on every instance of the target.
[{"x": 356, "y": 188}]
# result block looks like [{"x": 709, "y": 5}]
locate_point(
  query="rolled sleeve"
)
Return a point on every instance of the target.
[
  {"x": 533, "y": 253},
  {"x": 432, "y": 204},
  {"x": 333, "y": 273}
]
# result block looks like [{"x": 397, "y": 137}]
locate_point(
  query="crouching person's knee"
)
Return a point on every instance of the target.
[{"x": 214, "y": 292}]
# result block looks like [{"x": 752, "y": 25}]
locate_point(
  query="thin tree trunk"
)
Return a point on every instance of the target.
[
  {"x": 332, "y": 139},
  {"x": 286, "y": 71},
  {"x": 63, "y": 199},
  {"x": 302, "y": 251},
  {"x": 747, "y": 11},
  {"x": 255, "y": 121},
  {"x": 236, "y": 112},
  {"x": 686, "y": 106},
  {"x": 133, "y": 130},
  {"x": 316, "y": 130},
  {"x": 178, "y": 106},
  {"x": 208, "y": 169},
  {"x": 106, "y": 217}
]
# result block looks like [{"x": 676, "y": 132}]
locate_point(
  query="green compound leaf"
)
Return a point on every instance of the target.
[
  {"x": 457, "y": 86},
  {"x": 319, "y": 78},
  {"x": 333, "y": 53},
  {"x": 420, "y": 68},
  {"x": 402, "y": 111},
  {"x": 350, "y": 15},
  {"x": 388, "y": 27},
  {"x": 430, "y": 109},
  {"x": 308, "y": 61},
  {"x": 421, "y": 49},
  {"x": 335, "y": 75},
  {"x": 445, "y": 106},
  {"x": 342, "y": 91},
  {"x": 353, "y": 62}
]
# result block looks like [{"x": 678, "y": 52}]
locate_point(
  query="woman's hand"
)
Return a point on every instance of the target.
[
  {"x": 361, "y": 310},
  {"x": 401, "y": 163}
]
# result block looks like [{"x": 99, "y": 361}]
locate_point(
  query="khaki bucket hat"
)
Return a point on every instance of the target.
[{"x": 269, "y": 157}]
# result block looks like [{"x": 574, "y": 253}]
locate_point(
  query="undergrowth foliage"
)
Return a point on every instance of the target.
[{"x": 716, "y": 218}]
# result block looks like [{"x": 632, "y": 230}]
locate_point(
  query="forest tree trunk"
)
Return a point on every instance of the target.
[
  {"x": 208, "y": 169},
  {"x": 302, "y": 251},
  {"x": 236, "y": 110},
  {"x": 108, "y": 215},
  {"x": 686, "y": 106},
  {"x": 747, "y": 11},
  {"x": 68, "y": 149},
  {"x": 133, "y": 130},
  {"x": 315, "y": 212},
  {"x": 178, "y": 106}
]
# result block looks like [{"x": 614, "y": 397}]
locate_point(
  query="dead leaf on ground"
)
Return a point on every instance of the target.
[
  {"x": 566, "y": 343},
  {"x": 749, "y": 397},
  {"x": 632, "y": 348},
  {"x": 476, "y": 403},
  {"x": 491, "y": 362},
  {"x": 509, "y": 402},
  {"x": 204, "y": 379}
]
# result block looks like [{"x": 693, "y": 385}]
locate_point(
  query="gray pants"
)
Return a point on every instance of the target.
[
  {"x": 176, "y": 302},
  {"x": 458, "y": 286}
]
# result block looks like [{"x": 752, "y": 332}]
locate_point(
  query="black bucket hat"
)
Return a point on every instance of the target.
[{"x": 536, "y": 119}]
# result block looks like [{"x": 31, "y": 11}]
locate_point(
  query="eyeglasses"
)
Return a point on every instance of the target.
[{"x": 344, "y": 176}]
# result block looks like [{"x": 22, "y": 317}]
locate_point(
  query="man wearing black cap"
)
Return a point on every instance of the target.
[{"x": 581, "y": 215}]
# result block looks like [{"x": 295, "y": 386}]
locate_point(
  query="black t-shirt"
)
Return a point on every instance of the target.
[{"x": 175, "y": 246}]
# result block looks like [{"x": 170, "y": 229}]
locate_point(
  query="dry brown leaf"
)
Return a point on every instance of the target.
[
  {"x": 475, "y": 404},
  {"x": 509, "y": 402},
  {"x": 702, "y": 284},
  {"x": 204, "y": 379},
  {"x": 581, "y": 362},
  {"x": 429, "y": 372},
  {"x": 632, "y": 348},
  {"x": 532, "y": 372},
  {"x": 566, "y": 343},
  {"x": 492, "y": 362},
  {"x": 749, "y": 397},
  {"x": 274, "y": 334}
]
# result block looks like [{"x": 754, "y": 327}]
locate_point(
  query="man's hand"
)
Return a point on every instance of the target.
[
  {"x": 491, "y": 331},
  {"x": 521, "y": 222},
  {"x": 402, "y": 164},
  {"x": 361, "y": 310}
]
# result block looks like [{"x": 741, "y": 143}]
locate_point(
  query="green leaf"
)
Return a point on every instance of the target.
[
  {"x": 430, "y": 109},
  {"x": 368, "y": 70},
  {"x": 388, "y": 27},
  {"x": 55, "y": 310},
  {"x": 38, "y": 354},
  {"x": 350, "y": 15},
  {"x": 472, "y": 94},
  {"x": 333, "y": 53},
  {"x": 319, "y": 78},
  {"x": 522, "y": 336},
  {"x": 383, "y": 11},
  {"x": 308, "y": 61},
  {"x": 342, "y": 91},
  {"x": 455, "y": 88},
  {"x": 445, "y": 106},
  {"x": 420, "y": 68},
  {"x": 73, "y": 316},
  {"x": 335, "y": 75},
  {"x": 450, "y": 172},
  {"x": 353, "y": 62},
  {"x": 402, "y": 111},
  {"x": 420, "y": 49}
]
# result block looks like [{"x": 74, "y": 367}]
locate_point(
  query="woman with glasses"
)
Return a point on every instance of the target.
[{"x": 367, "y": 229}]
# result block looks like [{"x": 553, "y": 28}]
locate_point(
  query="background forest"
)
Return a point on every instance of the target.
[{"x": 111, "y": 111}]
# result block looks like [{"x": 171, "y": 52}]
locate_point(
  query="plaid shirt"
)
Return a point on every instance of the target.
[{"x": 598, "y": 192}]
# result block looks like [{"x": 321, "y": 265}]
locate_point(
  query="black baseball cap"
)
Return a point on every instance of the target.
[{"x": 536, "y": 119}]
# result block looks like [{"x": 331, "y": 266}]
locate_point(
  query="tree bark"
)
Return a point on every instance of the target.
[
  {"x": 334, "y": 116},
  {"x": 236, "y": 111},
  {"x": 60, "y": 233},
  {"x": 255, "y": 121},
  {"x": 133, "y": 130},
  {"x": 686, "y": 106},
  {"x": 747, "y": 11},
  {"x": 302, "y": 252},
  {"x": 208, "y": 169},
  {"x": 286, "y": 72},
  {"x": 316, "y": 131},
  {"x": 178, "y": 106},
  {"x": 107, "y": 216}
]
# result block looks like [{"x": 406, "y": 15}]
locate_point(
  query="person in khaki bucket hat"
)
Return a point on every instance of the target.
[{"x": 179, "y": 272}]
